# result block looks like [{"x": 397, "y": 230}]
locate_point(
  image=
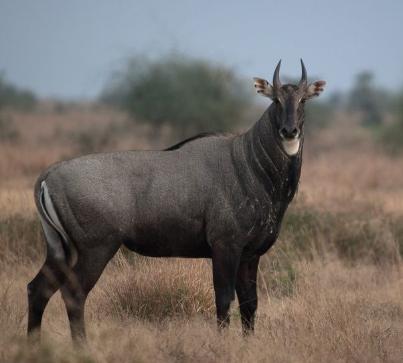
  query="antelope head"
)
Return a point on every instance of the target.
[{"x": 287, "y": 109}]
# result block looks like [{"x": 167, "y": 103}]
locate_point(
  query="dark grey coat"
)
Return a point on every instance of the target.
[{"x": 214, "y": 189}]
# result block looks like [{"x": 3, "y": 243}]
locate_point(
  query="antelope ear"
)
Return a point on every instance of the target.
[
  {"x": 263, "y": 87},
  {"x": 315, "y": 89}
]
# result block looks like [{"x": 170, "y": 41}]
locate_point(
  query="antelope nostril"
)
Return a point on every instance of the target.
[
  {"x": 289, "y": 133},
  {"x": 283, "y": 132}
]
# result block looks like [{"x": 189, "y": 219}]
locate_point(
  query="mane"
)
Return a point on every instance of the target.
[{"x": 192, "y": 138}]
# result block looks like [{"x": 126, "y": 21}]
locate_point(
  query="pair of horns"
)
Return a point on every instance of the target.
[{"x": 276, "y": 77}]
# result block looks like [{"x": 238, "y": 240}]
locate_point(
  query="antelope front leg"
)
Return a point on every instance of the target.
[
  {"x": 225, "y": 266},
  {"x": 247, "y": 294}
]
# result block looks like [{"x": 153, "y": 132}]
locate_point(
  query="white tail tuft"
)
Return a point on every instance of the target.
[{"x": 56, "y": 236}]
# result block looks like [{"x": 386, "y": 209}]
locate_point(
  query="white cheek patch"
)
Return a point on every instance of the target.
[{"x": 291, "y": 147}]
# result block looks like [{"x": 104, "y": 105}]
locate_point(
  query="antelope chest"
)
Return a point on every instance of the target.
[{"x": 261, "y": 220}]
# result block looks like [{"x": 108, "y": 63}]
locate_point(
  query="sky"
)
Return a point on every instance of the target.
[{"x": 68, "y": 49}]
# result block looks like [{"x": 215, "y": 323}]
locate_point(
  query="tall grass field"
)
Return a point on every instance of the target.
[{"x": 330, "y": 290}]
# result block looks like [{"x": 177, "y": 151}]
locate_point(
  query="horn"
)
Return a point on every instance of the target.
[
  {"x": 304, "y": 80},
  {"x": 276, "y": 76}
]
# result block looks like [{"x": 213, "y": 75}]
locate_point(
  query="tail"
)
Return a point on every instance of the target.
[{"x": 59, "y": 245}]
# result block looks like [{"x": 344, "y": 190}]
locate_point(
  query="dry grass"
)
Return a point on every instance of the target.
[
  {"x": 330, "y": 290},
  {"x": 336, "y": 313},
  {"x": 153, "y": 290}
]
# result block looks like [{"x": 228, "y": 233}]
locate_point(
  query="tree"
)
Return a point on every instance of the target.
[
  {"x": 13, "y": 97},
  {"x": 188, "y": 94},
  {"x": 365, "y": 98},
  {"x": 391, "y": 135}
]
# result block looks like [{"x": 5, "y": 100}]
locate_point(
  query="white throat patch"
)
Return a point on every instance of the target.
[{"x": 291, "y": 147}]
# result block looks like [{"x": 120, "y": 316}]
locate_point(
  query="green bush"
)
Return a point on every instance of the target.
[
  {"x": 318, "y": 115},
  {"x": 190, "y": 95},
  {"x": 391, "y": 136},
  {"x": 13, "y": 97},
  {"x": 366, "y": 98},
  {"x": 8, "y": 131}
]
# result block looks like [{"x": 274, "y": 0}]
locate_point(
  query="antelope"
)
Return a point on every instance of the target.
[{"x": 211, "y": 196}]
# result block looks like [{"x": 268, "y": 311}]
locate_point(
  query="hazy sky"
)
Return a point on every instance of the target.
[{"x": 68, "y": 48}]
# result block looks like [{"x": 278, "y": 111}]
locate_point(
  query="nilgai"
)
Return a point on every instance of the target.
[{"x": 212, "y": 196}]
